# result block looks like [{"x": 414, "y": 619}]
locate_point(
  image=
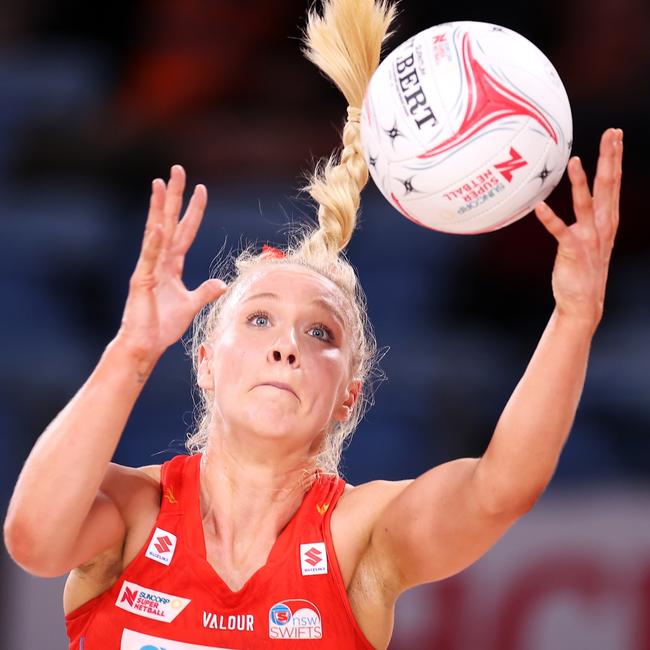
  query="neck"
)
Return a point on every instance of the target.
[{"x": 247, "y": 498}]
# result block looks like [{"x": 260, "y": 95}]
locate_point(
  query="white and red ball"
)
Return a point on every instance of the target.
[{"x": 466, "y": 127}]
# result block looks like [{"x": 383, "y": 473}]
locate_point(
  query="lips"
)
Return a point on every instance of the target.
[{"x": 277, "y": 384}]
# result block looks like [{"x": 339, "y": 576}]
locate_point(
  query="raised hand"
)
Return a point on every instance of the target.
[
  {"x": 159, "y": 308},
  {"x": 585, "y": 247}
]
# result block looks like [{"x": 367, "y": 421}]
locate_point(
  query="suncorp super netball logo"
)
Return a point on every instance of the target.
[
  {"x": 149, "y": 603},
  {"x": 295, "y": 619}
]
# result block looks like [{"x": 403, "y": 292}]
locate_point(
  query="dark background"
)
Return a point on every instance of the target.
[{"x": 99, "y": 99}]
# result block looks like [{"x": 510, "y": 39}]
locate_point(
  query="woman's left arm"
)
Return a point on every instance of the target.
[
  {"x": 448, "y": 517},
  {"x": 525, "y": 447}
]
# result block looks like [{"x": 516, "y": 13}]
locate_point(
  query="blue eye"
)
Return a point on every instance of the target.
[
  {"x": 327, "y": 337},
  {"x": 327, "y": 330},
  {"x": 256, "y": 315}
]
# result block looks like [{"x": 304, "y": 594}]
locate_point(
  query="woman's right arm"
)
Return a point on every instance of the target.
[
  {"x": 61, "y": 513},
  {"x": 58, "y": 490}
]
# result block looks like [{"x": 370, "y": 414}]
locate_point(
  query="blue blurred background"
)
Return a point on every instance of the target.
[{"x": 98, "y": 99}]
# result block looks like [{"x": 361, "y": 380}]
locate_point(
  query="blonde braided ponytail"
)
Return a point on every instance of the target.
[{"x": 345, "y": 43}]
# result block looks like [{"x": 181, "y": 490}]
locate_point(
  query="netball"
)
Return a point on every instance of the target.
[{"x": 466, "y": 126}]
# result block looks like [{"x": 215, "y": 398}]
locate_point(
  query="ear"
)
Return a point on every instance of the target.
[
  {"x": 343, "y": 411},
  {"x": 204, "y": 372}
]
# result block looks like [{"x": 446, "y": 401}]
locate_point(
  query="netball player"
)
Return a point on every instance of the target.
[{"x": 252, "y": 540}]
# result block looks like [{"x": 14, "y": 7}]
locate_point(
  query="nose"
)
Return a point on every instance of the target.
[
  {"x": 278, "y": 356},
  {"x": 285, "y": 350}
]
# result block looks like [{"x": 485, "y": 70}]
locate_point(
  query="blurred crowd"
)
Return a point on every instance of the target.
[{"x": 100, "y": 98}]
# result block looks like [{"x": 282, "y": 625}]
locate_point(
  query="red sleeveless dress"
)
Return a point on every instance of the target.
[{"x": 170, "y": 598}]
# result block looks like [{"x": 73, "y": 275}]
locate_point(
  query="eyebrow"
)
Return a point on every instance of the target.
[{"x": 327, "y": 304}]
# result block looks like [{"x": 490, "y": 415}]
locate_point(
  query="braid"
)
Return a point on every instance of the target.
[{"x": 345, "y": 43}]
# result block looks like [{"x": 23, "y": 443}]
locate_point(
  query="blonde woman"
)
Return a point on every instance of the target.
[{"x": 253, "y": 540}]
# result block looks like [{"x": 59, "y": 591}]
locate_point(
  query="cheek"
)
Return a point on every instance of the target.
[
  {"x": 330, "y": 375},
  {"x": 231, "y": 358}
]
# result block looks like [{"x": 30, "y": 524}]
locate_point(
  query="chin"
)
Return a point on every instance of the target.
[{"x": 269, "y": 423}]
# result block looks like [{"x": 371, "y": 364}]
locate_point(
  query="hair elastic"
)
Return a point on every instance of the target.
[
  {"x": 354, "y": 114},
  {"x": 270, "y": 251}
]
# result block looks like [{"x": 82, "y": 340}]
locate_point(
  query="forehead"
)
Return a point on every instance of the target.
[{"x": 293, "y": 281}]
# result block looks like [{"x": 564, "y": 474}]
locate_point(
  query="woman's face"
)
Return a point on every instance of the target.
[{"x": 286, "y": 324}]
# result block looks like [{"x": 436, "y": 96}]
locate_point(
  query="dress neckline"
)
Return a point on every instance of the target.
[{"x": 197, "y": 541}]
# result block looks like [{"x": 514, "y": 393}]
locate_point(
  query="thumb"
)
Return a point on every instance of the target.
[{"x": 207, "y": 292}]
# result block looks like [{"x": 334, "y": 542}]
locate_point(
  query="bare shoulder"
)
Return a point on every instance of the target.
[
  {"x": 121, "y": 479},
  {"x": 365, "y": 502},
  {"x": 354, "y": 517}
]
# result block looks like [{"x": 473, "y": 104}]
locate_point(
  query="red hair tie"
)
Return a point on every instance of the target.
[{"x": 272, "y": 252}]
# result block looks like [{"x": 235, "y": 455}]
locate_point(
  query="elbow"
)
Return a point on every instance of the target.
[
  {"x": 14, "y": 539},
  {"x": 23, "y": 550}
]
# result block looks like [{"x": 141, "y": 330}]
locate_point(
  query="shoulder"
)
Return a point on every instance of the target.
[
  {"x": 360, "y": 506},
  {"x": 353, "y": 520},
  {"x": 152, "y": 471},
  {"x": 368, "y": 500}
]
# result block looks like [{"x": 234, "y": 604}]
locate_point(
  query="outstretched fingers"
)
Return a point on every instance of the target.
[
  {"x": 583, "y": 205},
  {"x": 550, "y": 220},
  {"x": 605, "y": 180},
  {"x": 164, "y": 234},
  {"x": 189, "y": 224},
  {"x": 173, "y": 201},
  {"x": 152, "y": 242},
  {"x": 618, "y": 174}
]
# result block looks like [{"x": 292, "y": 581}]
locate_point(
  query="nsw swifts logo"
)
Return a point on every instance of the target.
[
  {"x": 162, "y": 546},
  {"x": 295, "y": 619},
  {"x": 313, "y": 558}
]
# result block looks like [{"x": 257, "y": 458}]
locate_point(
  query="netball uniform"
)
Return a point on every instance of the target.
[{"x": 170, "y": 598}]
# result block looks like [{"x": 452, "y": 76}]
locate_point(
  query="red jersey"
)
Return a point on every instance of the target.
[{"x": 170, "y": 598}]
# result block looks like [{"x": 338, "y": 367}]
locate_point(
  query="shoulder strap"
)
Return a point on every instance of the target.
[
  {"x": 180, "y": 496},
  {"x": 334, "y": 490},
  {"x": 321, "y": 500},
  {"x": 176, "y": 490}
]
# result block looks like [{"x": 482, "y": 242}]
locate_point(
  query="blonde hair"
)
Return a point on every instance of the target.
[{"x": 345, "y": 43}]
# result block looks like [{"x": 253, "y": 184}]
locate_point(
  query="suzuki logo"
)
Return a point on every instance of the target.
[
  {"x": 313, "y": 556},
  {"x": 163, "y": 544}
]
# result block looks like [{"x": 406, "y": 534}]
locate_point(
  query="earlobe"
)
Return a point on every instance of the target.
[
  {"x": 204, "y": 372},
  {"x": 344, "y": 411}
]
